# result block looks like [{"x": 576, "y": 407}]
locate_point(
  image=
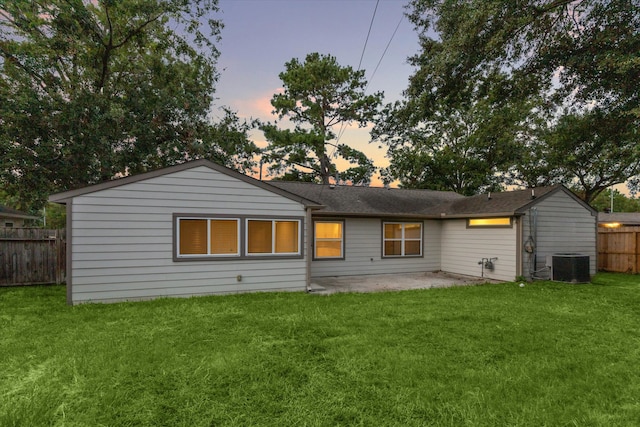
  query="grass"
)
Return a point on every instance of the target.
[{"x": 546, "y": 354}]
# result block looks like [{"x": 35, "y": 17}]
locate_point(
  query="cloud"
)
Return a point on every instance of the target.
[{"x": 257, "y": 108}]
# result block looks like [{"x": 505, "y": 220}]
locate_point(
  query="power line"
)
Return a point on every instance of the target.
[
  {"x": 342, "y": 128},
  {"x": 364, "y": 48},
  {"x": 368, "y": 34},
  {"x": 384, "y": 53}
]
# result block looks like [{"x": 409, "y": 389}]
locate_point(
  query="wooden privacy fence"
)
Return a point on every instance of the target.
[
  {"x": 619, "y": 249},
  {"x": 30, "y": 256}
]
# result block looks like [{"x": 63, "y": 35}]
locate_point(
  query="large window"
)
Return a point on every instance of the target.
[
  {"x": 273, "y": 237},
  {"x": 208, "y": 237},
  {"x": 204, "y": 237},
  {"x": 402, "y": 239},
  {"x": 328, "y": 239}
]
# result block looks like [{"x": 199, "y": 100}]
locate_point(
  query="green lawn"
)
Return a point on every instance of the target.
[{"x": 546, "y": 354}]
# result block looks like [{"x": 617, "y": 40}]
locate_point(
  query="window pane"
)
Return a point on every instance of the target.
[
  {"x": 412, "y": 247},
  {"x": 193, "y": 236},
  {"x": 488, "y": 222},
  {"x": 328, "y": 230},
  {"x": 286, "y": 236},
  {"x": 328, "y": 249},
  {"x": 392, "y": 248},
  {"x": 412, "y": 231},
  {"x": 393, "y": 231},
  {"x": 224, "y": 236},
  {"x": 259, "y": 237}
]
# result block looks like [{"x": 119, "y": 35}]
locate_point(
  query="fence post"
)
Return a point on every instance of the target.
[{"x": 636, "y": 264}]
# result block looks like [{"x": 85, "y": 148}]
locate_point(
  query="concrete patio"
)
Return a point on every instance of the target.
[{"x": 392, "y": 282}]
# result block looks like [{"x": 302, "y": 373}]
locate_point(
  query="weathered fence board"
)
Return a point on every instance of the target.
[
  {"x": 30, "y": 256},
  {"x": 619, "y": 249}
]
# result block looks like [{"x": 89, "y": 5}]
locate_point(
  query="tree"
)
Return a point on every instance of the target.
[
  {"x": 562, "y": 61},
  {"x": 464, "y": 147},
  {"x": 319, "y": 95},
  {"x": 589, "y": 150},
  {"x": 91, "y": 90},
  {"x": 621, "y": 203}
]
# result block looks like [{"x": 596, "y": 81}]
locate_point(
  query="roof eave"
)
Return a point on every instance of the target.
[
  {"x": 374, "y": 215},
  {"x": 479, "y": 215},
  {"x": 65, "y": 196},
  {"x": 564, "y": 189},
  {"x": 415, "y": 216},
  {"x": 17, "y": 216}
]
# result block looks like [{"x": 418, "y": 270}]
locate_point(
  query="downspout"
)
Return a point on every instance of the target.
[
  {"x": 519, "y": 248},
  {"x": 534, "y": 217},
  {"x": 68, "y": 249},
  {"x": 597, "y": 237},
  {"x": 309, "y": 245}
]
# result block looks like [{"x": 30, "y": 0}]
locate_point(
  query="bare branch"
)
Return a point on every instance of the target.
[
  {"x": 304, "y": 166},
  {"x": 137, "y": 31},
  {"x": 15, "y": 61}
]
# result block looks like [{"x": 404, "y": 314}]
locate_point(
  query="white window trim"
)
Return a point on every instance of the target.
[
  {"x": 402, "y": 239},
  {"x": 208, "y": 254},
  {"x": 316, "y": 240},
  {"x": 273, "y": 237}
]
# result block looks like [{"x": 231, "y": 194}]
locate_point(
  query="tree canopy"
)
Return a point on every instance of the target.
[
  {"x": 621, "y": 203},
  {"x": 566, "y": 79},
  {"x": 91, "y": 90},
  {"x": 319, "y": 95}
]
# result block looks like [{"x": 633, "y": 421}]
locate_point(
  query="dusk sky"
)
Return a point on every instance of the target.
[{"x": 261, "y": 35}]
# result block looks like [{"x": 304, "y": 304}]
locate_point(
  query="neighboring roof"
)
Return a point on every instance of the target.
[
  {"x": 6, "y": 212},
  {"x": 622, "y": 218},
  {"x": 370, "y": 201},
  {"x": 65, "y": 196},
  {"x": 503, "y": 203}
]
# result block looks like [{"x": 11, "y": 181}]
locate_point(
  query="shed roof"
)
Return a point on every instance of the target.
[
  {"x": 623, "y": 218},
  {"x": 6, "y": 212}
]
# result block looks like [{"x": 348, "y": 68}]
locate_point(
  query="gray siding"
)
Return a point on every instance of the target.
[
  {"x": 463, "y": 248},
  {"x": 15, "y": 222},
  {"x": 563, "y": 226},
  {"x": 363, "y": 252},
  {"x": 122, "y": 244}
]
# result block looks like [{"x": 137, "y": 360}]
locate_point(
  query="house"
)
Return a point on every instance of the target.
[
  {"x": 200, "y": 228},
  {"x": 512, "y": 232},
  {"x": 11, "y": 218}
]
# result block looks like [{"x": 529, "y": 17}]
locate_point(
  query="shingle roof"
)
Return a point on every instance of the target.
[
  {"x": 372, "y": 201},
  {"x": 375, "y": 201},
  {"x": 65, "y": 196},
  {"x": 361, "y": 201},
  {"x": 503, "y": 202},
  {"x": 6, "y": 212}
]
